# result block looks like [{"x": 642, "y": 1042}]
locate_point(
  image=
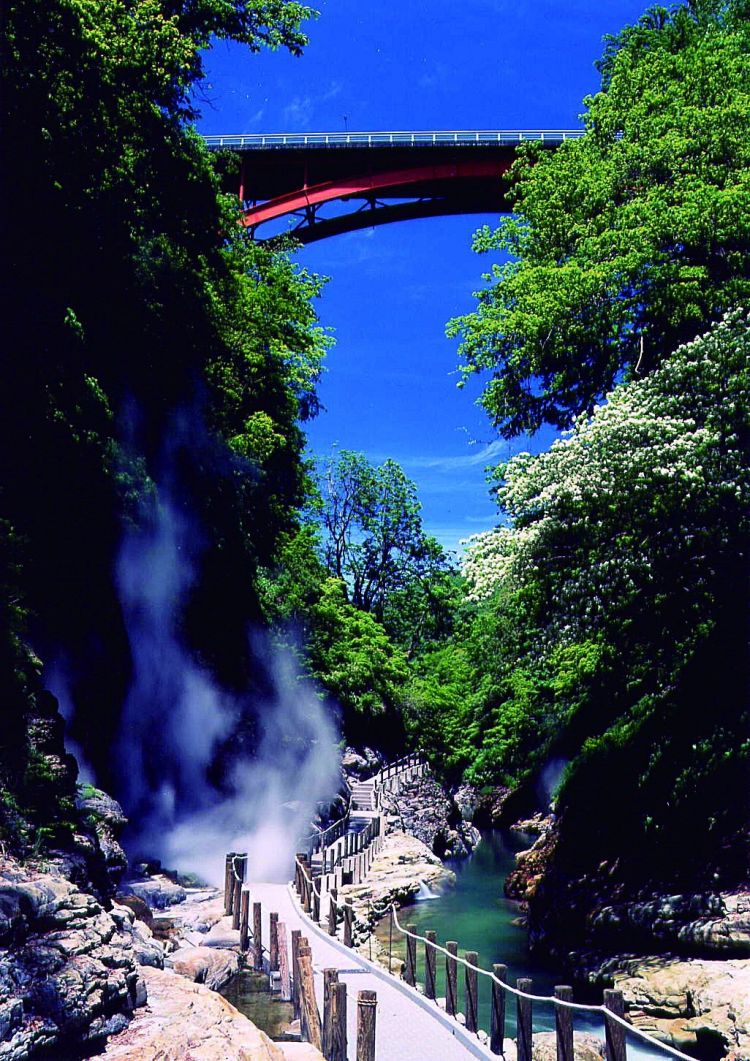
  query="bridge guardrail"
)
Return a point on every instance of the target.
[{"x": 425, "y": 138}]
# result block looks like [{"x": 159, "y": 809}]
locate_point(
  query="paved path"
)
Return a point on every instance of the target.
[{"x": 409, "y": 1027}]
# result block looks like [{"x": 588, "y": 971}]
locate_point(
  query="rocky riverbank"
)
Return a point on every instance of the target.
[
  {"x": 75, "y": 976},
  {"x": 427, "y": 811},
  {"x": 682, "y": 961}
]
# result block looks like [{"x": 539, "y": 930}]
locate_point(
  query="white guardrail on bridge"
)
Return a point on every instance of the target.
[{"x": 425, "y": 138}]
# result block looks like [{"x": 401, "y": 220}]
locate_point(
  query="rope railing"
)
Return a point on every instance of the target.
[
  {"x": 604, "y": 1011},
  {"x": 378, "y": 911}
]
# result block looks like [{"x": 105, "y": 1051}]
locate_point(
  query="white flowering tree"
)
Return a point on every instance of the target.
[{"x": 626, "y": 549}]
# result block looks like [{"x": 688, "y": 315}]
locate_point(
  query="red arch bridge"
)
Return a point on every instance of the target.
[{"x": 314, "y": 185}]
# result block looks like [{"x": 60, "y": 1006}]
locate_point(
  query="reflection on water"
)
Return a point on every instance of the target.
[{"x": 248, "y": 992}]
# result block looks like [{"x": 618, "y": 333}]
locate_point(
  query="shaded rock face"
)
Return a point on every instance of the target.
[
  {"x": 104, "y": 818},
  {"x": 186, "y": 1020},
  {"x": 696, "y": 924},
  {"x": 425, "y": 810},
  {"x": 68, "y": 971},
  {"x": 699, "y": 1005},
  {"x": 524, "y": 880},
  {"x": 363, "y": 764}
]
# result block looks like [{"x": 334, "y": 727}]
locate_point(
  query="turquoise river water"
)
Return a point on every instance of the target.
[{"x": 478, "y": 916}]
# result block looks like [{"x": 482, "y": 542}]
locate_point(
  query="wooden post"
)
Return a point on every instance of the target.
[
  {"x": 244, "y": 920},
  {"x": 298, "y": 873},
  {"x": 472, "y": 990},
  {"x": 237, "y": 901},
  {"x": 316, "y": 904},
  {"x": 273, "y": 942},
  {"x": 338, "y": 1022},
  {"x": 332, "y": 912},
  {"x": 614, "y": 1032},
  {"x": 305, "y": 882},
  {"x": 295, "y": 971},
  {"x": 309, "y": 1010},
  {"x": 228, "y": 884},
  {"x": 497, "y": 1017},
  {"x": 285, "y": 986},
  {"x": 430, "y": 956},
  {"x": 451, "y": 979},
  {"x": 410, "y": 973},
  {"x": 330, "y": 977},
  {"x": 564, "y": 1024},
  {"x": 348, "y": 923},
  {"x": 523, "y": 1021},
  {"x": 257, "y": 939},
  {"x": 367, "y": 1002}
]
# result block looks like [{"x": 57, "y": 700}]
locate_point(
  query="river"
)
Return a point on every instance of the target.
[{"x": 478, "y": 916}]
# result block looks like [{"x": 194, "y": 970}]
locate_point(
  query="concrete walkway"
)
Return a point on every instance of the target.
[{"x": 409, "y": 1027}]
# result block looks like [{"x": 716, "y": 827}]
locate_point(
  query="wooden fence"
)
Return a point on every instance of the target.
[{"x": 288, "y": 961}]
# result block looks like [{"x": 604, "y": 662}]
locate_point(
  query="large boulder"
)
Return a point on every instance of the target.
[
  {"x": 425, "y": 810},
  {"x": 186, "y": 1020},
  {"x": 158, "y": 891},
  {"x": 212, "y": 966},
  {"x": 699, "y": 1005}
]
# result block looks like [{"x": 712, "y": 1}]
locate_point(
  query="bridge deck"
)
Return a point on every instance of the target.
[{"x": 408, "y": 1027}]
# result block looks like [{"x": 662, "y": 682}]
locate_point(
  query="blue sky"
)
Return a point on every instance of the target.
[{"x": 390, "y": 389}]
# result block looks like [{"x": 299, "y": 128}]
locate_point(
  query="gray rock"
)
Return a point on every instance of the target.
[
  {"x": 211, "y": 966},
  {"x": 467, "y": 799},
  {"x": 688, "y": 1003},
  {"x": 714, "y": 923},
  {"x": 425, "y": 810},
  {"x": 158, "y": 892},
  {"x": 67, "y": 968}
]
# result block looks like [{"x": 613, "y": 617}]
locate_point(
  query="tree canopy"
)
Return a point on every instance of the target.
[
  {"x": 151, "y": 345},
  {"x": 374, "y": 541},
  {"x": 630, "y": 240}
]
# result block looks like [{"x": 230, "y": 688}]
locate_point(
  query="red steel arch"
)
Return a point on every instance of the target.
[{"x": 372, "y": 178}]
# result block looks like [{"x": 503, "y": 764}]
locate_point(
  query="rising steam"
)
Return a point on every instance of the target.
[{"x": 176, "y": 717}]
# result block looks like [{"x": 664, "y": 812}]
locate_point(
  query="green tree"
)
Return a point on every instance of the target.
[
  {"x": 374, "y": 539},
  {"x": 630, "y": 240},
  {"x": 142, "y": 328},
  {"x": 353, "y": 657},
  {"x": 627, "y": 564}
]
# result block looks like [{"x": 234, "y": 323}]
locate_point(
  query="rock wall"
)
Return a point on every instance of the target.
[
  {"x": 427, "y": 811},
  {"x": 68, "y": 969},
  {"x": 698, "y": 1005}
]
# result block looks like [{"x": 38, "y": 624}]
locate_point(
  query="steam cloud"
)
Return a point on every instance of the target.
[
  {"x": 550, "y": 779},
  {"x": 175, "y": 718}
]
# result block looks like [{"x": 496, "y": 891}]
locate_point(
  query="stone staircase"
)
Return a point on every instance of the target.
[{"x": 363, "y": 795}]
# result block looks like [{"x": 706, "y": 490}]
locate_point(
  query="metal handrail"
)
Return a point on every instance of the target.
[{"x": 401, "y": 138}]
